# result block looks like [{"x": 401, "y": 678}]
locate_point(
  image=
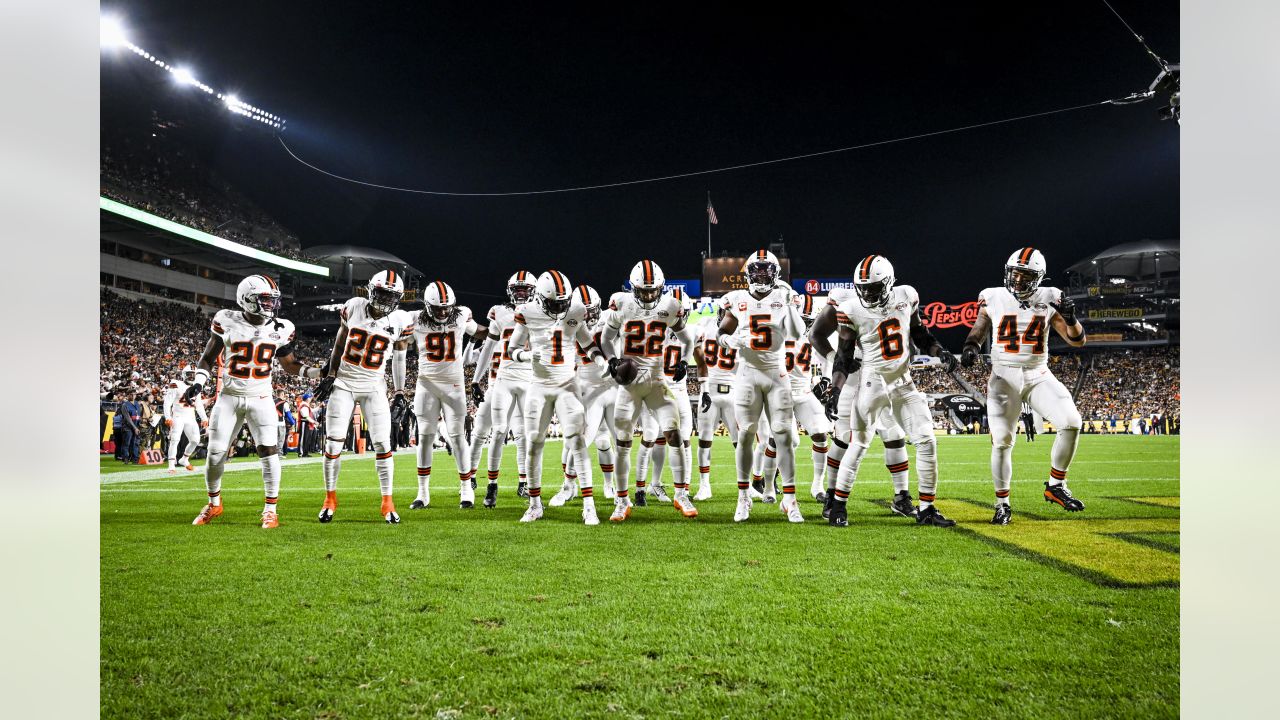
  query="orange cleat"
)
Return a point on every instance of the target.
[
  {"x": 190, "y": 467},
  {"x": 685, "y": 505},
  {"x": 270, "y": 520},
  {"x": 389, "y": 510},
  {"x": 207, "y": 515}
]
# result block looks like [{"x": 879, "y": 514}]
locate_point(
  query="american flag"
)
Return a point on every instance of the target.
[{"x": 711, "y": 214}]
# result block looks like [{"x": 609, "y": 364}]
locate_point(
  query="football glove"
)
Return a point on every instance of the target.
[
  {"x": 821, "y": 389},
  {"x": 612, "y": 369},
  {"x": 323, "y": 388},
  {"x": 682, "y": 369},
  {"x": 398, "y": 406},
  {"x": 969, "y": 356},
  {"x": 833, "y": 400},
  {"x": 1066, "y": 307},
  {"x": 477, "y": 393},
  {"x": 948, "y": 360},
  {"x": 706, "y": 401},
  {"x": 469, "y": 426},
  {"x": 194, "y": 390}
]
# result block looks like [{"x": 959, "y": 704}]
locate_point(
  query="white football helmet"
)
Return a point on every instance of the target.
[
  {"x": 554, "y": 293},
  {"x": 188, "y": 373},
  {"x": 762, "y": 270},
  {"x": 587, "y": 296},
  {"x": 808, "y": 309},
  {"x": 385, "y": 290},
  {"x": 686, "y": 302},
  {"x": 873, "y": 281},
  {"x": 647, "y": 282},
  {"x": 1023, "y": 273},
  {"x": 441, "y": 303},
  {"x": 520, "y": 287},
  {"x": 258, "y": 295}
]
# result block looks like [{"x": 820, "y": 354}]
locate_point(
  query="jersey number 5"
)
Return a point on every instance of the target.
[
  {"x": 365, "y": 350},
  {"x": 761, "y": 333}
]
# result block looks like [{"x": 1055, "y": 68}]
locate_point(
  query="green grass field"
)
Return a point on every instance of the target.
[{"x": 457, "y": 614}]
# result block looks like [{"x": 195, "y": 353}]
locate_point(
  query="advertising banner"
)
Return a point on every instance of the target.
[
  {"x": 1115, "y": 313},
  {"x": 941, "y": 315}
]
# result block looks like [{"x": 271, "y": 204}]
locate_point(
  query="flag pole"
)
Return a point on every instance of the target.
[{"x": 708, "y": 223}]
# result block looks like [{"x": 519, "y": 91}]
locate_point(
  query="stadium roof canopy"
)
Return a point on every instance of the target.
[
  {"x": 1142, "y": 259},
  {"x": 364, "y": 261}
]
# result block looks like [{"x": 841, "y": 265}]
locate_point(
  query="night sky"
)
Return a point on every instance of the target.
[{"x": 464, "y": 98}]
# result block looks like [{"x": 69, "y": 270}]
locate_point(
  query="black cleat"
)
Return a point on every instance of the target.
[
  {"x": 820, "y": 498},
  {"x": 641, "y": 499},
  {"x": 491, "y": 495},
  {"x": 473, "y": 483},
  {"x": 1003, "y": 515},
  {"x": 466, "y": 505},
  {"x": 326, "y": 515},
  {"x": 931, "y": 516},
  {"x": 417, "y": 505},
  {"x": 522, "y": 490},
  {"x": 839, "y": 514},
  {"x": 902, "y": 505},
  {"x": 1060, "y": 495},
  {"x": 758, "y": 486},
  {"x": 827, "y": 502}
]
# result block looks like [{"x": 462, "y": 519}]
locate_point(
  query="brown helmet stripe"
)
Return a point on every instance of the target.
[
  {"x": 648, "y": 272},
  {"x": 522, "y": 276},
  {"x": 586, "y": 296},
  {"x": 762, "y": 254},
  {"x": 1025, "y": 257},
  {"x": 391, "y": 277},
  {"x": 444, "y": 292},
  {"x": 559, "y": 283},
  {"x": 270, "y": 282},
  {"x": 865, "y": 271}
]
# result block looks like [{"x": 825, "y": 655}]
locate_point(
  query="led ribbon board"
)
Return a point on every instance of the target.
[{"x": 200, "y": 236}]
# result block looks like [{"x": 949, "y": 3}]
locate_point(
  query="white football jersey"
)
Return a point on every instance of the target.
[
  {"x": 1019, "y": 331},
  {"x": 440, "y": 354},
  {"x": 884, "y": 334},
  {"x": 672, "y": 351},
  {"x": 800, "y": 361},
  {"x": 555, "y": 338},
  {"x": 722, "y": 362},
  {"x": 363, "y": 363},
  {"x": 642, "y": 332},
  {"x": 587, "y": 371},
  {"x": 176, "y": 407},
  {"x": 502, "y": 322},
  {"x": 767, "y": 322},
  {"x": 248, "y": 351}
]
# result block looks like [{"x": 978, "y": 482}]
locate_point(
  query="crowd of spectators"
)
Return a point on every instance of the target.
[
  {"x": 159, "y": 176},
  {"x": 1132, "y": 383}
]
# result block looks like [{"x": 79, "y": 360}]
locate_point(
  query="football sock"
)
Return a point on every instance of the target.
[
  {"x": 496, "y": 445},
  {"x": 578, "y": 449},
  {"x": 643, "y": 458},
  {"x": 1002, "y": 497},
  {"x": 1057, "y": 477},
  {"x": 215, "y": 498},
  {"x": 271, "y": 476},
  {"x": 927, "y": 470},
  {"x": 425, "y": 451},
  {"x": 522, "y": 455},
  {"x": 424, "y": 481},
  {"x": 535, "y": 468},
  {"x": 657, "y": 459},
  {"x": 1001, "y": 468},
  {"x": 385, "y": 465},
  {"x": 895, "y": 460},
  {"x": 1064, "y": 449},
  {"x": 835, "y": 453},
  {"x": 786, "y": 462},
  {"x": 743, "y": 460},
  {"x": 478, "y": 441},
  {"x": 849, "y": 469},
  {"x": 704, "y": 464},
  {"x": 332, "y": 463},
  {"x": 605, "y": 456},
  {"x": 269, "y": 505},
  {"x": 819, "y": 452},
  {"x": 620, "y": 486}
]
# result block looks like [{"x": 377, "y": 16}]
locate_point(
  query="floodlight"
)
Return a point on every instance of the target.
[
  {"x": 184, "y": 76},
  {"x": 111, "y": 32}
]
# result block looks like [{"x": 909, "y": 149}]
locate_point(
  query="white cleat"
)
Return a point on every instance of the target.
[
  {"x": 568, "y": 491},
  {"x": 466, "y": 495},
  {"x": 589, "y": 512},
  {"x": 533, "y": 513},
  {"x": 621, "y": 509},
  {"x": 659, "y": 493},
  {"x": 791, "y": 508},
  {"x": 607, "y": 489},
  {"x": 753, "y": 493},
  {"x": 704, "y": 491},
  {"x": 743, "y": 510}
]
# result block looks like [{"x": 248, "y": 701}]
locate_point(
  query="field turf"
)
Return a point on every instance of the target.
[{"x": 469, "y": 614}]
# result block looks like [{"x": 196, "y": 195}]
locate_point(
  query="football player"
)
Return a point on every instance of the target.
[
  {"x": 1019, "y": 316},
  {"x": 636, "y": 329},
  {"x": 596, "y": 392},
  {"x": 506, "y": 398},
  {"x": 757, "y": 323},
  {"x": 808, "y": 409},
  {"x": 244, "y": 343},
  {"x": 717, "y": 367},
  {"x": 672, "y": 354},
  {"x": 440, "y": 332},
  {"x": 543, "y": 333},
  {"x": 371, "y": 327},
  {"x": 840, "y": 408},
  {"x": 883, "y": 320},
  {"x": 180, "y": 416}
]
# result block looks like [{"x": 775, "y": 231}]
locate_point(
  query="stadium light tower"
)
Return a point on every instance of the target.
[
  {"x": 184, "y": 76},
  {"x": 111, "y": 33}
]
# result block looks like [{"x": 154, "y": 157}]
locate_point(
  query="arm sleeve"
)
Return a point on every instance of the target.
[
  {"x": 486, "y": 351},
  {"x": 608, "y": 337},
  {"x": 687, "y": 340},
  {"x": 399, "y": 363},
  {"x": 200, "y": 411}
]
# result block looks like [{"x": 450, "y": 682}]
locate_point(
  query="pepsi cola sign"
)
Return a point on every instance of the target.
[{"x": 941, "y": 315}]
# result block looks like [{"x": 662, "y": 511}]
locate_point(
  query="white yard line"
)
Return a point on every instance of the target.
[{"x": 162, "y": 473}]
